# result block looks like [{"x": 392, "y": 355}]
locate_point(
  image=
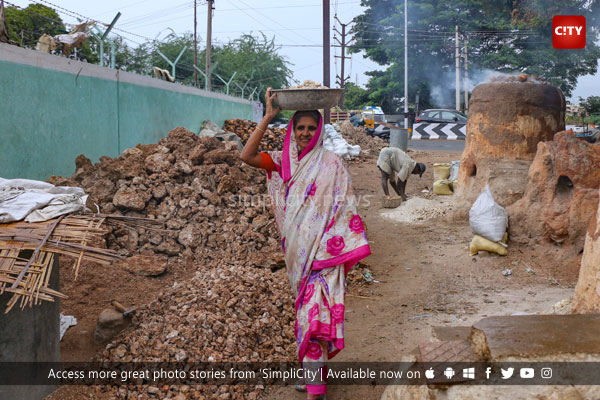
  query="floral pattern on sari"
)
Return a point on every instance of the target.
[{"x": 315, "y": 210}]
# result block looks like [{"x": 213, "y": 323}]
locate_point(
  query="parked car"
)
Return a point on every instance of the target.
[{"x": 442, "y": 116}]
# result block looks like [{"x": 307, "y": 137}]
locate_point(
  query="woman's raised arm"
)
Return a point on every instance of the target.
[{"x": 250, "y": 154}]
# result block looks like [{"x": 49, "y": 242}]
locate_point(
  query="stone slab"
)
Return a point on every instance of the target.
[
  {"x": 445, "y": 333},
  {"x": 535, "y": 336}
]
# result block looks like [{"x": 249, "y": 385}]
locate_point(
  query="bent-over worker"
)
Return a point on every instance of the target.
[{"x": 395, "y": 166}]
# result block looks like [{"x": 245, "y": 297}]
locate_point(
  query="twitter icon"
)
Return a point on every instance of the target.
[{"x": 507, "y": 373}]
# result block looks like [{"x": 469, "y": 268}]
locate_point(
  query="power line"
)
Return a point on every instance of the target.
[
  {"x": 260, "y": 21},
  {"x": 277, "y": 22},
  {"x": 157, "y": 14}
]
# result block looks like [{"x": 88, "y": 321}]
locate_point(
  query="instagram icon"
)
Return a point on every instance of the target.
[{"x": 546, "y": 373}]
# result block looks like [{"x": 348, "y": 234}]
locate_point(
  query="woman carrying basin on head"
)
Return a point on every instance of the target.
[{"x": 322, "y": 234}]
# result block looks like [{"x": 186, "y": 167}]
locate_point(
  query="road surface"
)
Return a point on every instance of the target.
[{"x": 443, "y": 145}]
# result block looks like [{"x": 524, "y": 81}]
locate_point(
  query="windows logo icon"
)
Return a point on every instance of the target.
[{"x": 468, "y": 373}]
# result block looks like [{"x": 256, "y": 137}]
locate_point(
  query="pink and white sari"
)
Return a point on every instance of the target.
[{"x": 322, "y": 238}]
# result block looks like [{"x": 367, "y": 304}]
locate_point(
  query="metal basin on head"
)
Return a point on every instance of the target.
[{"x": 307, "y": 99}]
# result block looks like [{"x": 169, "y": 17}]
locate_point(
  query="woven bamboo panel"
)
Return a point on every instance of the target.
[{"x": 27, "y": 276}]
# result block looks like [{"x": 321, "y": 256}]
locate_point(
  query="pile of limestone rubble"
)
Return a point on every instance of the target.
[
  {"x": 272, "y": 138},
  {"x": 238, "y": 306},
  {"x": 212, "y": 205},
  {"x": 228, "y": 314},
  {"x": 358, "y": 136},
  {"x": 215, "y": 213}
]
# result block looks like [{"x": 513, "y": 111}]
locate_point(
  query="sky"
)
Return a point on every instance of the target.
[{"x": 295, "y": 25}]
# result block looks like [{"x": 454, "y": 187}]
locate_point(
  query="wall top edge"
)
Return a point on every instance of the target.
[{"x": 34, "y": 58}]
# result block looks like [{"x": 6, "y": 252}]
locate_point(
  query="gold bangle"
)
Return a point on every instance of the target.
[{"x": 260, "y": 129}]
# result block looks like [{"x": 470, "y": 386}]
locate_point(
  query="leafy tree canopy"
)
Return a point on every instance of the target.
[
  {"x": 32, "y": 22},
  {"x": 591, "y": 105},
  {"x": 507, "y": 36},
  {"x": 253, "y": 59},
  {"x": 355, "y": 97}
]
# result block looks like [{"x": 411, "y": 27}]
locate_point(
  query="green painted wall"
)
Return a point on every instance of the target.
[{"x": 49, "y": 117}]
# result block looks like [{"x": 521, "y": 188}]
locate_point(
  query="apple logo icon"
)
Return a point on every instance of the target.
[{"x": 429, "y": 374}]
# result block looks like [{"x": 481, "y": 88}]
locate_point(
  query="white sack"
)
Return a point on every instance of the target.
[
  {"x": 487, "y": 218},
  {"x": 455, "y": 165}
]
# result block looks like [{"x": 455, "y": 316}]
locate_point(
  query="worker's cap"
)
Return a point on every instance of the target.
[{"x": 421, "y": 169}]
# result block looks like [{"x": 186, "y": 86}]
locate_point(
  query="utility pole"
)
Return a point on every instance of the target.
[
  {"x": 343, "y": 43},
  {"x": 326, "y": 54},
  {"x": 405, "y": 64},
  {"x": 457, "y": 57},
  {"x": 208, "y": 43},
  {"x": 466, "y": 80},
  {"x": 195, "y": 49}
]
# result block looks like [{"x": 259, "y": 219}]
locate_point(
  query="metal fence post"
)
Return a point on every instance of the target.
[
  {"x": 212, "y": 67},
  {"x": 172, "y": 64},
  {"x": 228, "y": 82}
]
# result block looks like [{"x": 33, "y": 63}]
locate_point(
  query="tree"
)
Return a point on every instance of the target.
[
  {"x": 590, "y": 112},
  {"x": 506, "y": 36},
  {"x": 171, "y": 46},
  {"x": 26, "y": 25},
  {"x": 127, "y": 58},
  {"x": 140, "y": 60},
  {"x": 591, "y": 105},
  {"x": 355, "y": 97},
  {"x": 254, "y": 60}
]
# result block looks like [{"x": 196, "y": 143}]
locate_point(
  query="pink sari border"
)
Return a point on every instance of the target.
[
  {"x": 315, "y": 326},
  {"x": 285, "y": 155},
  {"x": 286, "y": 170},
  {"x": 349, "y": 259},
  {"x": 315, "y": 139},
  {"x": 316, "y": 389}
]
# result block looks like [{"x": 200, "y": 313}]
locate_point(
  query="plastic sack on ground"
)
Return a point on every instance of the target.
[
  {"x": 443, "y": 186},
  {"x": 482, "y": 244},
  {"x": 441, "y": 171},
  {"x": 487, "y": 218},
  {"x": 454, "y": 165},
  {"x": 209, "y": 128}
]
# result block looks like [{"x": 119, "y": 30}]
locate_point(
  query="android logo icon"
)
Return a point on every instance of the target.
[{"x": 449, "y": 373}]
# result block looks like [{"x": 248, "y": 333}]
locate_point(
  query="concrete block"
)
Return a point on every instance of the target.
[{"x": 31, "y": 334}]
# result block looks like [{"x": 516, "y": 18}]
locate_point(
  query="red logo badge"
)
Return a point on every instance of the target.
[{"x": 568, "y": 32}]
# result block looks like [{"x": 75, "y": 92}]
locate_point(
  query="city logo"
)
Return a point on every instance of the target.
[
  {"x": 469, "y": 373},
  {"x": 526, "y": 373},
  {"x": 449, "y": 373},
  {"x": 568, "y": 32},
  {"x": 429, "y": 374},
  {"x": 507, "y": 373}
]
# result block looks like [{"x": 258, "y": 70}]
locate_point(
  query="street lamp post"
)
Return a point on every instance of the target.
[{"x": 405, "y": 65}]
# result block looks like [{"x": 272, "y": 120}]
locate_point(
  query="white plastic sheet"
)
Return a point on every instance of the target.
[
  {"x": 76, "y": 38},
  {"x": 334, "y": 141},
  {"x": 66, "y": 321},
  {"x": 36, "y": 201},
  {"x": 487, "y": 218}
]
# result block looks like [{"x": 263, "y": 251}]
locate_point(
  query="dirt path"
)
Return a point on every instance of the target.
[{"x": 427, "y": 279}]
